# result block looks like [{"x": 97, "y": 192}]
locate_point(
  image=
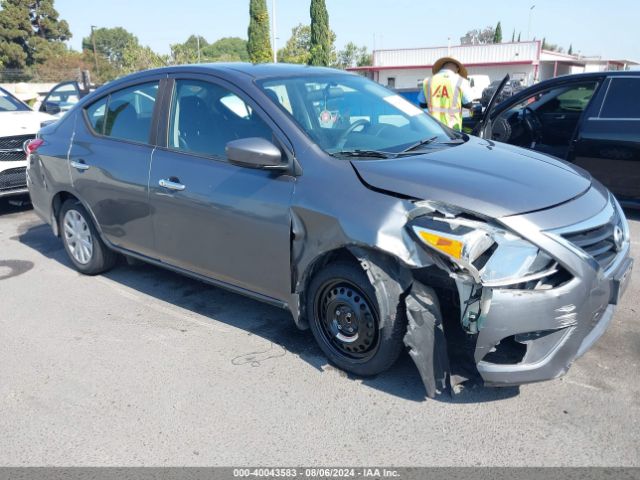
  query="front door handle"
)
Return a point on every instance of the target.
[
  {"x": 80, "y": 165},
  {"x": 168, "y": 184}
]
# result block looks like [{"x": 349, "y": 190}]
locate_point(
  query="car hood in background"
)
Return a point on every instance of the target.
[
  {"x": 480, "y": 176},
  {"x": 21, "y": 123}
]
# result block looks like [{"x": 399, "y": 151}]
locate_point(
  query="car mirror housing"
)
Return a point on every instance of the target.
[{"x": 255, "y": 153}]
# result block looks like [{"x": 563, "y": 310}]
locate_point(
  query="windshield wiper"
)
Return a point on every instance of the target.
[
  {"x": 421, "y": 143},
  {"x": 364, "y": 153}
]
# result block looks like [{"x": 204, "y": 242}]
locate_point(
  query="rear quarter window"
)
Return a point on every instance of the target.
[{"x": 623, "y": 99}]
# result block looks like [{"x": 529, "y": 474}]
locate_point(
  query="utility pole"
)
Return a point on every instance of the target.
[
  {"x": 530, "y": 18},
  {"x": 275, "y": 37},
  {"x": 198, "y": 41},
  {"x": 95, "y": 52}
]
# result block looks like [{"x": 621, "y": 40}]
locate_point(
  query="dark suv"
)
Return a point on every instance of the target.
[
  {"x": 328, "y": 195},
  {"x": 591, "y": 120},
  {"x": 512, "y": 87}
]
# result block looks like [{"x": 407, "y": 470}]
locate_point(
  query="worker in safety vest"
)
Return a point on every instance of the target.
[{"x": 446, "y": 92}]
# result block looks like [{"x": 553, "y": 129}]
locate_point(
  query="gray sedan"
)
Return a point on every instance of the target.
[{"x": 326, "y": 194}]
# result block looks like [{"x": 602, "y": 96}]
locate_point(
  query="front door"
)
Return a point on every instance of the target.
[
  {"x": 547, "y": 119},
  {"x": 109, "y": 164},
  {"x": 608, "y": 145},
  {"x": 210, "y": 217}
]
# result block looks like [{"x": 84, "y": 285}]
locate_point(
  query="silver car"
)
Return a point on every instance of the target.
[{"x": 325, "y": 194}]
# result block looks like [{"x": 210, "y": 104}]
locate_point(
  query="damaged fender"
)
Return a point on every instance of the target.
[
  {"x": 425, "y": 339},
  {"x": 398, "y": 293}
]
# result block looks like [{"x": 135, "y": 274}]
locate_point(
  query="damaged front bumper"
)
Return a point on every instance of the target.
[
  {"x": 532, "y": 335},
  {"x": 553, "y": 327},
  {"x": 532, "y": 327}
]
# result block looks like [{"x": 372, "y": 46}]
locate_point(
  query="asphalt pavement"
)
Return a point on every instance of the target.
[{"x": 141, "y": 366}]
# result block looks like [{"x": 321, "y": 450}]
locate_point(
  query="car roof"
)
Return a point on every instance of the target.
[{"x": 255, "y": 71}]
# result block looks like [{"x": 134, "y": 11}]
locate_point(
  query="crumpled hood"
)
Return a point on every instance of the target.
[{"x": 480, "y": 176}]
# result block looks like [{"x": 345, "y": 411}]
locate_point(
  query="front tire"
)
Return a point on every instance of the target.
[
  {"x": 81, "y": 240},
  {"x": 344, "y": 317}
]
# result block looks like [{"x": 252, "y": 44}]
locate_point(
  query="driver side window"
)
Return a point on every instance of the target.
[
  {"x": 547, "y": 117},
  {"x": 205, "y": 117}
]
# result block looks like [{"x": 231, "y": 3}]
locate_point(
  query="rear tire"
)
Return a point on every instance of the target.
[
  {"x": 81, "y": 240},
  {"x": 344, "y": 319}
]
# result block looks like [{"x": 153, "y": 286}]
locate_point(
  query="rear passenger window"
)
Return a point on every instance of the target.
[
  {"x": 205, "y": 117},
  {"x": 125, "y": 114},
  {"x": 623, "y": 99}
]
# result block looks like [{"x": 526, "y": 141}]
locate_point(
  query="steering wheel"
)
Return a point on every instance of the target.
[
  {"x": 358, "y": 123},
  {"x": 533, "y": 124}
]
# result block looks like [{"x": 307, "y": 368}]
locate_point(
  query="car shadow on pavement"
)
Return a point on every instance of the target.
[
  {"x": 267, "y": 322},
  {"x": 14, "y": 204}
]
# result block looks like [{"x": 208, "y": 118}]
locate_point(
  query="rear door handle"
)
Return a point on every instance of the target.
[
  {"x": 80, "y": 165},
  {"x": 168, "y": 184}
]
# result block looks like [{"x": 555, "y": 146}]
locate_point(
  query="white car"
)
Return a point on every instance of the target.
[
  {"x": 18, "y": 124},
  {"x": 477, "y": 84}
]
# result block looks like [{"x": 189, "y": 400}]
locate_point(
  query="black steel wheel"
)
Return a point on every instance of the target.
[
  {"x": 347, "y": 319},
  {"x": 344, "y": 317}
]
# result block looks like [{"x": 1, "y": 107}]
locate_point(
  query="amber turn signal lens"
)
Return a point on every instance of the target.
[{"x": 446, "y": 245}]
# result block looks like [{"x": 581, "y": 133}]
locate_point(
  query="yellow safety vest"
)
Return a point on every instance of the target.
[{"x": 444, "y": 98}]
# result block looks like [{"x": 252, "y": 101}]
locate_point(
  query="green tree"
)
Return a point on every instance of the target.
[
  {"x": 497, "y": 36},
  {"x": 519, "y": 35},
  {"x": 478, "y": 36},
  {"x": 551, "y": 46},
  {"x": 227, "y": 49},
  {"x": 513, "y": 36},
  {"x": 298, "y": 47},
  {"x": 259, "y": 44},
  {"x": 136, "y": 57},
  {"x": 29, "y": 30},
  {"x": 321, "y": 44},
  {"x": 570, "y": 52},
  {"x": 110, "y": 43},
  {"x": 353, "y": 56},
  {"x": 365, "y": 59}
]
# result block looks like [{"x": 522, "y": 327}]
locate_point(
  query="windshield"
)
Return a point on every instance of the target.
[
  {"x": 347, "y": 113},
  {"x": 8, "y": 103}
]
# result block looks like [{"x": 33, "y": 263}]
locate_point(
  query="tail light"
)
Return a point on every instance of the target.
[{"x": 32, "y": 145}]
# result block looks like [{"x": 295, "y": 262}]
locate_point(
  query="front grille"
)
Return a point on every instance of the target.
[
  {"x": 11, "y": 148},
  {"x": 597, "y": 242},
  {"x": 18, "y": 155},
  {"x": 13, "y": 179},
  {"x": 9, "y": 143}
]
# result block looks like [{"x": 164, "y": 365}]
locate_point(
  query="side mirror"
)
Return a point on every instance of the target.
[
  {"x": 52, "y": 108},
  {"x": 255, "y": 153}
]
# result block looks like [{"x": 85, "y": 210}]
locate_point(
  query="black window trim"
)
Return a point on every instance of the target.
[
  {"x": 281, "y": 140},
  {"x": 571, "y": 82},
  {"x": 600, "y": 118},
  {"x": 153, "y": 138},
  {"x": 75, "y": 84}
]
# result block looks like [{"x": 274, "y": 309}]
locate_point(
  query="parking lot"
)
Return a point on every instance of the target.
[{"x": 144, "y": 367}]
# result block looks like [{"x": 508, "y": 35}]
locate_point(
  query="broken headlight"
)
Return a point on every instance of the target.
[{"x": 493, "y": 256}]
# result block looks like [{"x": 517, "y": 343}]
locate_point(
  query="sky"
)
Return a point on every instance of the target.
[{"x": 593, "y": 27}]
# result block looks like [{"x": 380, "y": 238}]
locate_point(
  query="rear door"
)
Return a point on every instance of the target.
[
  {"x": 110, "y": 159},
  {"x": 223, "y": 221},
  {"x": 608, "y": 144}
]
